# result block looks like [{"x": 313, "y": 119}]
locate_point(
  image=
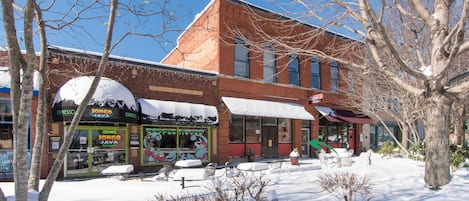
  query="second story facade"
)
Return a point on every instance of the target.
[{"x": 221, "y": 40}]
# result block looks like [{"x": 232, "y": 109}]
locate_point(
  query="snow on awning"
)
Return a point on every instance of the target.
[
  {"x": 158, "y": 110},
  {"x": 335, "y": 115},
  {"x": 5, "y": 80},
  {"x": 262, "y": 108},
  {"x": 111, "y": 102},
  {"x": 108, "y": 92}
]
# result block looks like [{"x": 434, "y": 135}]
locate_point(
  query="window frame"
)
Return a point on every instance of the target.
[
  {"x": 315, "y": 64},
  {"x": 241, "y": 59},
  {"x": 335, "y": 76},
  {"x": 294, "y": 72},
  {"x": 270, "y": 64}
]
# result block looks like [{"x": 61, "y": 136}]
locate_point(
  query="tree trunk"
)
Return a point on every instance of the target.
[
  {"x": 54, "y": 171},
  {"x": 35, "y": 171},
  {"x": 437, "y": 163},
  {"x": 405, "y": 136}
]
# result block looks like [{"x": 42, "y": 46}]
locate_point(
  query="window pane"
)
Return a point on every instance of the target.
[
  {"x": 236, "y": 128},
  {"x": 305, "y": 124},
  {"x": 269, "y": 121},
  {"x": 333, "y": 134},
  {"x": 284, "y": 131},
  {"x": 334, "y": 76},
  {"x": 241, "y": 58},
  {"x": 253, "y": 129},
  {"x": 269, "y": 65},
  {"x": 294, "y": 70},
  {"x": 241, "y": 69},
  {"x": 315, "y": 73}
]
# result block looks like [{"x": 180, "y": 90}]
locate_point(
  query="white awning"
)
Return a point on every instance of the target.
[
  {"x": 264, "y": 108},
  {"x": 180, "y": 111}
]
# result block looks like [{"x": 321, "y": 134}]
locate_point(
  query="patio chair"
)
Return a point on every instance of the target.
[{"x": 326, "y": 160}]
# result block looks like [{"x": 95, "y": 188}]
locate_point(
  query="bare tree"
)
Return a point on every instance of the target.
[
  {"x": 371, "y": 93},
  {"x": 69, "y": 20},
  {"x": 418, "y": 39},
  {"x": 21, "y": 97}
]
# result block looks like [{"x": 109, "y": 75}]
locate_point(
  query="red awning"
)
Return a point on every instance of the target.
[
  {"x": 353, "y": 117},
  {"x": 335, "y": 115},
  {"x": 332, "y": 119}
]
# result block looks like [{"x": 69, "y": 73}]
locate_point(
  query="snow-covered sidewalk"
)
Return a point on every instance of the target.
[{"x": 392, "y": 179}]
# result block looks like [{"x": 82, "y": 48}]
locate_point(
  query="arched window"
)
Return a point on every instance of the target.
[{"x": 241, "y": 58}]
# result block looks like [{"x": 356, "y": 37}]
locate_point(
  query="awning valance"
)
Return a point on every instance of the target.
[
  {"x": 262, "y": 108},
  {"x": 335, "y": 115},
  {"x": 158, "y": 110}
]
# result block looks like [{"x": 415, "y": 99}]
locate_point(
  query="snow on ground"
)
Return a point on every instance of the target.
[{"x": 392, "y": 179}]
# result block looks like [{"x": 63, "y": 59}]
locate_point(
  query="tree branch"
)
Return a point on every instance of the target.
[{"x": 422, "y": 12}]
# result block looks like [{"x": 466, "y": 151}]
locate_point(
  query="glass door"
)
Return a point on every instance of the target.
[
  {"x": 269, "y": 137},
  {"x": 95, "y": 148},
  {"x": 305, "y": 147},
  {"x": 108, "y": 147}
]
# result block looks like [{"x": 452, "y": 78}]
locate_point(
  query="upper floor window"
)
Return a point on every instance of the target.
[
  {"x": 294, "y": 70},
  {"x": 335, "y": 76},
  {"x": 315, "y": 73},
  {"x": 270, "y": 64},
  {"x": 241, "y": 58}
]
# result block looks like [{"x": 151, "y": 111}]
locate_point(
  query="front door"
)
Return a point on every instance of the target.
[
  {"x": 95, "y": 148},
  {"x": 305, "y": 147},
  {"x": 269, "y": 141}
]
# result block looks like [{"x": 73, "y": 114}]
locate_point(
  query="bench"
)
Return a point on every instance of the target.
[
  {"x": 252, "y": 167},
  {"x": 188, "y": 163},
  {"x": 122, "y": 171},
  {"x": 190, "y": 171}
]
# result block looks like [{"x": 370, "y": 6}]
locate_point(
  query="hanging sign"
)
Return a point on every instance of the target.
[{"x": 316, "y": 98}]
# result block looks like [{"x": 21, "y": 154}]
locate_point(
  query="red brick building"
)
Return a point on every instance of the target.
[
  {"x": 247, "y": 76},
  {"x": 143, "y": 113},
  {"x": 214, "y": 99}
]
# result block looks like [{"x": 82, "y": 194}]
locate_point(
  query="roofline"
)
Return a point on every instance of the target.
[
  {"x": 276, "y": 14},
  {"x": 197, "y": 16},
  {"x": 59, "y": 49},
  {"x": 264, "y": 10}
]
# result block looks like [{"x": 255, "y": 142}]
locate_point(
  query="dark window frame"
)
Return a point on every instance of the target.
[
  {"x": 294, "y": 70},
  {"x": 315, "y": 73},
  {"x": 335, "y": 76},
  {"x": 240, "y": 46}
]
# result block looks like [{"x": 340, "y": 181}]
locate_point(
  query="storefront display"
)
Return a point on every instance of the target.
[
  {"x": 162, "y": 144},
  {"x": 95, "y": 148}
]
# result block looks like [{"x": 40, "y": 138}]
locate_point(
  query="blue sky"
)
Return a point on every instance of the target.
[
  {"x": 89, "y": 34},
  {"x": 133, "y": 47}
]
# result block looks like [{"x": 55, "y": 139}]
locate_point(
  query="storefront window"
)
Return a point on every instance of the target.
[
  {"x": 284, "y": 131},
  {"x": 237, "y": 129},
  {"x": 333, "y": 134},
  {"x": 253, "y": 129},
  {"x": 166, "y": 144}
]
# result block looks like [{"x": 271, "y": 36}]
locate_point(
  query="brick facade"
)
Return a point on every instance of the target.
[{"x": 219, "y": 20}]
